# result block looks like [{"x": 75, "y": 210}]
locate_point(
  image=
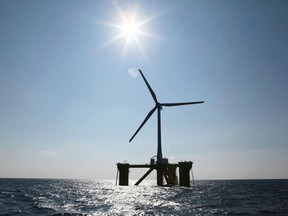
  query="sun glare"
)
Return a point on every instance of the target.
[{"x": 130, "y": 29}]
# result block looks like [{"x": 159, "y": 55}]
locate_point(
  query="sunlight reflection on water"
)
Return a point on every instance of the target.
[
  {"x": 144, "y": 199},
  {"x": 86, "y": 197}
]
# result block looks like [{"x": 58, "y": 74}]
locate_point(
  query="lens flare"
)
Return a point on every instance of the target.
[
  {"x": 133, "y": 72},
  {"x": 131, "y": 29}
]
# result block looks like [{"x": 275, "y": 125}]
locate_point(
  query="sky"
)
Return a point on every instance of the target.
[{"x": 71, "y": 97}]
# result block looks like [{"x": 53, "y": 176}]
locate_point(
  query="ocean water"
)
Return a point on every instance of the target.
[{"x": 87, "y": 197}]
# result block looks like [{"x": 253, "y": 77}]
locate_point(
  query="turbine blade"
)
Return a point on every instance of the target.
[
  {"x": 149, "y": 87},
  {"x": 145, "y": 120},
  {"x": 181, "y": 104}
]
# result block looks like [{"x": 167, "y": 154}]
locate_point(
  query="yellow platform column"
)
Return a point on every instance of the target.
[
  {"x": 184, "y": 173},
  {"x": 123, "y": 169}
]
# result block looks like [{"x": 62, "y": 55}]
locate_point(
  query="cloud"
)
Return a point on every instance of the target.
[{"x": 49, "y": 153}]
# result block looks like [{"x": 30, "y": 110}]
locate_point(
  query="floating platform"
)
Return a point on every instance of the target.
[{"x": 165, "y": 171}]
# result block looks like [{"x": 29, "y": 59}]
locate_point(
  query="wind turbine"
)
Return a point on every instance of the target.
[{"x": 158, "y": 107}]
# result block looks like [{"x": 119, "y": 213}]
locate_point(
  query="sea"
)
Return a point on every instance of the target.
[{"x": 95, "y": 197}]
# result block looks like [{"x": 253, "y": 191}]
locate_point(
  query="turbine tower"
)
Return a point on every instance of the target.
[{"x": 158, "y": 107}]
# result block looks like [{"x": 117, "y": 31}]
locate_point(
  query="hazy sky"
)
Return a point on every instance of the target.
[{"x": 69, "y": 104}]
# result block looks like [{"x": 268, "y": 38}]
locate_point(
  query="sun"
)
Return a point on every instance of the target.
[{"x": 130, "y": 28}]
